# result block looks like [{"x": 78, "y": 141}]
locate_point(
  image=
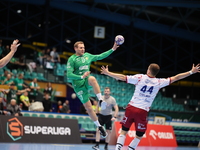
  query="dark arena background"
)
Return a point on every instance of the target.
[{"x": 166, "y": 32}]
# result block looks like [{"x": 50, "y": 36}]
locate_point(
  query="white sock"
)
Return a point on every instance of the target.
[
  {"x": 134, "y": 143},
  {"x": 99, "y": 96},
  {"x": 97, "y": 123},
  {"x": 120, "y": 142}
]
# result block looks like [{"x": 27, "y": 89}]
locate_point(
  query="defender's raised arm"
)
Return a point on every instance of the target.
[
  {"x": 180, "y": 76},
  {"x": 104, "y": 70}
]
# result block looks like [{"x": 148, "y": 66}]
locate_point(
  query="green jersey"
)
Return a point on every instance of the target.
[
  {"x": 78, "y": 65},
  {"x": 19, "y": 83},
  {"x": 3, "y": 78},
  {"x": 33, "y": 91},
  {"x": 40, "y": 54},
  {"x": 8, "y": 82},
  {"x": 12, "y": 94}
]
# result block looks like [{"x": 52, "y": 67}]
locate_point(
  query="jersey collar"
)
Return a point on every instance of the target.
[{"x": 150, "y": 76}]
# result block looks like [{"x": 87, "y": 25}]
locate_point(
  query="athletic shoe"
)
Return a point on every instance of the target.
[
  {"x": 105, "y": 148},
  {"x": 130, "y": 148},
  {"x": 102, "y": 104},
  {"x": 103, "y": 132},
  {"x": 95, "y": 147}
]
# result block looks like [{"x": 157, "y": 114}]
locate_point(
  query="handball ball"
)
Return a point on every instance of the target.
[
  {"x": 73, "y": 95},
  {"x": 119, "y": 39}
]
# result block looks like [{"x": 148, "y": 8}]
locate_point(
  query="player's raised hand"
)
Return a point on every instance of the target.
[
  {"x": 115, "y": 46},
  {"x": 104, "y": 70},
  {"x": 14, "y": 45},
  {"x": 86, "y": 74},
  {"x": 196, "y": 68}
]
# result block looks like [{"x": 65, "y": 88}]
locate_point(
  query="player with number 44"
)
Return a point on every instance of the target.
[{"x": 146, "y": 88}]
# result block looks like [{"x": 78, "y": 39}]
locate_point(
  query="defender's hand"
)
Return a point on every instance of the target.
[
  {"x": 196, "y": 68},
  {"x": 104, "y": 70}
]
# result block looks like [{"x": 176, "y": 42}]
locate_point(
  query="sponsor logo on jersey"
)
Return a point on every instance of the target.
[
  {"x": 83, "y": 67},
  {"x": 80, "y": 93},
  {"x": 124, "y": 120},
  {"x": 141, "y": 126},
  {"x": 83, "y": 59}
]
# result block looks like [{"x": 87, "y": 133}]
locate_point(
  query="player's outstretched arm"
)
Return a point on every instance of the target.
[
  {"x": 180, "y": 76},
  {"x": 105, "y": 54},
  {"x": 104, "y": 70},
  {"x": 7, "y": 58}
]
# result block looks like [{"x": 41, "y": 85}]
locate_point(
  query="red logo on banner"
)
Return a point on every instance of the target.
[{"x": 156, "y": 135}]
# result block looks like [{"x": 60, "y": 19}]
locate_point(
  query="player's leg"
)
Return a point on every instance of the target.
[
  {"x": 140, "y": 127},
  {"x": 83, "y": 95},
  {"x": 92, "y": 114},
  {"x": 126, "y": 122},
  {"x": 121, "y": 138},
  {"x": 107, "y": 139},
  {"x": 108, "y": 130},
  {"x": 134, "y": 143},
  {"x": 93, "y": 82},
  {"x": 97, "y": 140}
]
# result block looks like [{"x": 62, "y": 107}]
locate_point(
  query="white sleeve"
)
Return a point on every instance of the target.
[
  {"x": 114, "y": 102},
  {"x": 133, "y": 79},
  {"x": 164, "y": 82},
  {"x": 51, "y": 53}
]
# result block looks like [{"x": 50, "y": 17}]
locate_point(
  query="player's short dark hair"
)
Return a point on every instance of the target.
[
  {"x": 106, "y": 88},
  {"x": 78, "y": 42},
  {"x": 154, "y": 68}
]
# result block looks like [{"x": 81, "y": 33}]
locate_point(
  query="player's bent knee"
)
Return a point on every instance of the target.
[
  {"x": 125, "y": 128},
  {"x": 92, "y": 79},
  {"x": 140, "y": 134}
]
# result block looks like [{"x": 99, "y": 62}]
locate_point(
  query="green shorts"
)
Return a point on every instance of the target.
[{"x": 81, "y": 88}]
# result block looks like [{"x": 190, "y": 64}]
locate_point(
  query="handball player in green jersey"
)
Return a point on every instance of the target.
[{"x": 78, "y": 71}]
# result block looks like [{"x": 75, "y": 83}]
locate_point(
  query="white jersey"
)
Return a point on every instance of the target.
[{"x": 146, "y": 89}]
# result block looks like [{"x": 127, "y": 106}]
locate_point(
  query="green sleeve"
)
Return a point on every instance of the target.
[
  {"x": 39, "y": 54},
  {"x": 70, "y": 70},
  {"x": 15, "y": 81},
  {"x": 102, "y": 55}
]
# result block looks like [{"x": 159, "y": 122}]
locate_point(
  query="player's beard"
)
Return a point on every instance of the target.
[{"x": 107, "y": 95}]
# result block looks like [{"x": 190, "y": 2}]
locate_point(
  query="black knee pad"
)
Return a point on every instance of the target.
[
  {"x": 140, "y": 134},
  {"x": 124, "y": 128}
]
